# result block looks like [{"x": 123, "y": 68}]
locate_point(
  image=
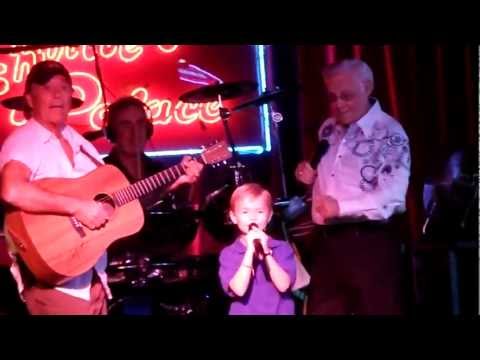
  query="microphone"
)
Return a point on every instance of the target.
[
  {"x": 215, "y": 193},
  {"x": 256, "y": 242},
  {"x": 320, "y": 151}
]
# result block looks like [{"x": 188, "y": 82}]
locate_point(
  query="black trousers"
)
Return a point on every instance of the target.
[{"x": 356, "y": 269}]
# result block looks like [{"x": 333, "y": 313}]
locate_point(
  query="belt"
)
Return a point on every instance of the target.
[{"x": 369, "y": 225}]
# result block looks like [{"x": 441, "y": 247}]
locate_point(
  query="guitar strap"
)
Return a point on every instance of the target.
[{"x": 91, "y": 157}]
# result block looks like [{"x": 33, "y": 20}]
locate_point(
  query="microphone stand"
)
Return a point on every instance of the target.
[{"x": 276, "y": 119}]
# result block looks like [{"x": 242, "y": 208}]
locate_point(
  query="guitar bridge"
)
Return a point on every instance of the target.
[{"x": 77, "y": 225}]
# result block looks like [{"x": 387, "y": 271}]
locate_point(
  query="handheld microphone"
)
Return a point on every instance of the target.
[{"x": 256, "y": 242}]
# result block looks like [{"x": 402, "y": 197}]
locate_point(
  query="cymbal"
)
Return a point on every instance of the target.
[
  {"x": 20, "y": 103},
  {"x": 226, "y": 91},
  {"x": 262, "y": 99}
]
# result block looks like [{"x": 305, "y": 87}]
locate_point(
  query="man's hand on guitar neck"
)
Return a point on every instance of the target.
[
  {"x": 91, "y": 213},
  {"x": 192, "y": 172}
]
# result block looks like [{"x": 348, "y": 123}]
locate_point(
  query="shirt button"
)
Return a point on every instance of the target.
[{"x": 332, "y": 174}]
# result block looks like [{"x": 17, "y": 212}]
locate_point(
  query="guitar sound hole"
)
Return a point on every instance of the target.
[{"x": 107, "y": 201}]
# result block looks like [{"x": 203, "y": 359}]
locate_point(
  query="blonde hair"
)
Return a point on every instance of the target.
[{"x": 250, "y": 189}]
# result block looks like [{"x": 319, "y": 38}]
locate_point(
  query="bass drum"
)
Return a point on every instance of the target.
[
  {"x": 164, "y": 234},
  {"x": 187, "y": 287}
]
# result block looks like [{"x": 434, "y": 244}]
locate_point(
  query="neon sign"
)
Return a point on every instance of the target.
[
  {"x": 163, "y": 110},
  {"x": 152, "y": 74},
  {"x": 126, "y": 53}
]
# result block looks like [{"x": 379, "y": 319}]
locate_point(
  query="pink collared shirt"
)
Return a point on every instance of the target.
[
  {"x": 41, "y": 151},
  {"x": 366, "y": 168}
]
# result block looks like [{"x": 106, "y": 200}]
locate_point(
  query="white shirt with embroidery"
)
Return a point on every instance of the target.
[
  {"x": 366, "y": 168},
  {"x": 41, "y": 151}
]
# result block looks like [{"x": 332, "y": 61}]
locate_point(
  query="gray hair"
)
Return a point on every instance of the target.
[{"x": 358, "y": 66}]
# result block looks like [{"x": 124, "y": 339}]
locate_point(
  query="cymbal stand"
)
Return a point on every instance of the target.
[{"x": 225, "y": 115}]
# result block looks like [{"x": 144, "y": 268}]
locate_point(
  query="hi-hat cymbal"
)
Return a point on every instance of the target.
[
  {"x": 226, "y": 91},
  {"x": 20, "y": 103}
]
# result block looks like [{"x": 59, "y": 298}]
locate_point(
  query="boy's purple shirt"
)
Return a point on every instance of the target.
[{"x": 261, "y": 297}]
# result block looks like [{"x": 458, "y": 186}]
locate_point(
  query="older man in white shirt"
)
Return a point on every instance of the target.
[
  {"x": 357, "y": 187},
  {"x": 47, "y": 147}
]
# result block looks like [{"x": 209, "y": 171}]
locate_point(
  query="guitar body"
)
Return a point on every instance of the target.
[{"x": 51, "y": 246}]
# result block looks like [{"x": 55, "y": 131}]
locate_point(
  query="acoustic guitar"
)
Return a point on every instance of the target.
[{"x": 56, "y": 247}]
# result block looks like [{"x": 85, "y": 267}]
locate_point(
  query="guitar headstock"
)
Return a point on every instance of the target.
[{"x": 216, "y": 153}]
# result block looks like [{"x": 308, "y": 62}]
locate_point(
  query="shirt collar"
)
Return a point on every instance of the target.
[
  {"x": 46, "y": 135},
  {"x": 43, "y": 134},
  {"x": 367, "y": 121}
]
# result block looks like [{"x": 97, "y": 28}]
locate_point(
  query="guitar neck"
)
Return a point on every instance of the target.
[{"x": 149, "y": 184}]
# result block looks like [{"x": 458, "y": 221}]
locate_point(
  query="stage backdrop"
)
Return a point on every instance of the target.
[{"x": 150, "y": 73}]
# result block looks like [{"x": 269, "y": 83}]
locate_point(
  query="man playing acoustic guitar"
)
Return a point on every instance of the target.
[{"x": 46, "y": 147}]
